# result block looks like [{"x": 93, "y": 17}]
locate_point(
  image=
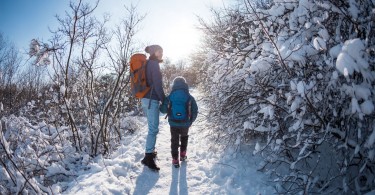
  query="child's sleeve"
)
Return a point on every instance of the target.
[
  {"x": 194, "y": 110},
  {"x": 164, "y": 106}
]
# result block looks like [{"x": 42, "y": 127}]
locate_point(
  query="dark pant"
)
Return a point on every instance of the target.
[{"x": 176, "y": 133}]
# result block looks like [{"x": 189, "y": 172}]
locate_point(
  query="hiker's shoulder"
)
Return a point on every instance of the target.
[{"x": 152, "y": 62}]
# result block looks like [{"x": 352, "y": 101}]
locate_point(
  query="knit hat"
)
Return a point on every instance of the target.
[
  {"x": 179, "y": 83},
  {"x": 179, "y": 79},
  {"x": 153, "y": 48}
]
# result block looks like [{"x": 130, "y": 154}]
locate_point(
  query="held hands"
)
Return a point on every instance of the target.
[{"x": 164, "y": 106}]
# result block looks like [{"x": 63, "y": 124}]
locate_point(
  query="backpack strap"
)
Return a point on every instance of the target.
[
  {"x": 188, "y": 107},
  {"x": 149, "y": 103},
  {"x": 146, "y": 72},
  {"x": 152, "y": 87}
]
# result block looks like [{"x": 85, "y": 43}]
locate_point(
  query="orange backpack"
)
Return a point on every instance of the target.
[{"x": 138, "y": 81}]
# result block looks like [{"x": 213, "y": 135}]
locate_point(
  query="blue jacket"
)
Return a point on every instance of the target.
[
  {"x": 194, "y": 106},
  {"x": 155, "y": 81}
]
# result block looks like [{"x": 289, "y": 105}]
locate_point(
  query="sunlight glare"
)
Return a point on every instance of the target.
[{"x": 180, "y": 41}]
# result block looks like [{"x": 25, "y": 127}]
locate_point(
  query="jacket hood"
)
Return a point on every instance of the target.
[{"x": 179, "y": 84}]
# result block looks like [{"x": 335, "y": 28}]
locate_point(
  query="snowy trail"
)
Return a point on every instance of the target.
[{"x": 207, "y": 171}]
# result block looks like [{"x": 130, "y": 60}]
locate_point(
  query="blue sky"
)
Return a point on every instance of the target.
[{"x": 170, "y": 23}]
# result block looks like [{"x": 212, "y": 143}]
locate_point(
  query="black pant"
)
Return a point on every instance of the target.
[{"x": 176, "y": 132}]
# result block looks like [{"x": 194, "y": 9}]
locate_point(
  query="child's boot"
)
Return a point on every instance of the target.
[
  {"x": 183, "y": 155},
  {"x": 175, "y": 162}
]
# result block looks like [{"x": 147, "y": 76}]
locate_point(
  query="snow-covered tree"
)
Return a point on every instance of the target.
[
  {"x": 300, "y": 75},
  {"x": 171, "y": 70},
  {"x": 82, "y": 113},
  {"x": 10, "y": 61},
  {"x": 90, "y": 101}
]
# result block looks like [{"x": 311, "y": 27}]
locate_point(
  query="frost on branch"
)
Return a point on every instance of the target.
[{"x": 39, "y": 52}]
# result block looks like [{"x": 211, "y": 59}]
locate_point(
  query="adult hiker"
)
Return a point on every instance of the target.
[{"x": 150, "y": 102}]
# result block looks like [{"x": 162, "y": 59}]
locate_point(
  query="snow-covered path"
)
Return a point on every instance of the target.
[{"x": 207, "y": 171}]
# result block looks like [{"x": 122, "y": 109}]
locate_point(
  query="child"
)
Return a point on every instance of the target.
[{"x": 182, "y": 110}]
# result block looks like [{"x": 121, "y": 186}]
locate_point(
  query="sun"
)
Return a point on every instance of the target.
[{"x": 180, "y": 41}]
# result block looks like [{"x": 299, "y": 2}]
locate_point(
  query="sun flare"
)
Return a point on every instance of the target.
[{"x": 180, "y": 41}]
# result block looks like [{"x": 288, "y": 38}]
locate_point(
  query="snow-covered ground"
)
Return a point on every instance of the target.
[{"x": 209, "y": 170}]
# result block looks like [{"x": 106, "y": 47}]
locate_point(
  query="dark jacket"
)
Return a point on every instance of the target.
[
  {"x": 154, "y": 80},
  {"x": 194, "y": 106}
]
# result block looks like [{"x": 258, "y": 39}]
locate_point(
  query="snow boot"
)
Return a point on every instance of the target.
[
  {"x": 183, "y": 156},
  {"x": 149, "y": 161},
  {"x": 154, "y": 154},
  {"x": 175, "y": 162}
]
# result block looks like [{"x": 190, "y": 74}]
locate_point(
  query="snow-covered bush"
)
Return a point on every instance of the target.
[
  {"x": 83, "y": 112},
  {"x": 35, "y": 156},
  {"x": 37, "y": 150},
  {"x": 301, "y": 75}
]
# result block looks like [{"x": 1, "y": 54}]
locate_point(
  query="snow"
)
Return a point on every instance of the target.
[
  {"x": 56, "y": 169},
  {"x": 34, "y": 47},
  {"x": 355, "y": 106},
  {"x": 308, "y": 25},
  {"x": 367, "y": 107},
  {"x": 335, "y": 51},
  {"x": 335, "y": 75},
  {"x": 315, "y": 63},
  {"x": 371, "y": 154},
  {"x": 252, "y": 101},
  {"x": 355, "y": 48},
  {"x": 353, "y": 9},
  {"x": 319, "y": 44},
  {"x": 351, "y": 58},
  {"x": 327, "y": 82},
  {"x": 3, "y": 141},
  {"x": 261, "y": 128},
  {"x": 301, "y": 88},
  {"x": 62, "y": 89},
  {"x": 293, "y": 85},
  {"x": 345, "y": 64},
  {"x": 258, "y": 66},
  {"x": 248, "y": 125},
  {"x": 267, "y": 111},
  {"x": 324, "y": 34},
  {"x": 208, "y": 170},
  {"x": 361, "y": 92},
  {"x": 295, "y": 105},
  {"x": 257, "y": 148},
  {"x": 276, "y": 11},
  {"x": 86, "y": 101},
  {"x": 371, "y": 140}
]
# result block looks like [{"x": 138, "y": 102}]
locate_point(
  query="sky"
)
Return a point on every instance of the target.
[{"x": 169, "y": 23}]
